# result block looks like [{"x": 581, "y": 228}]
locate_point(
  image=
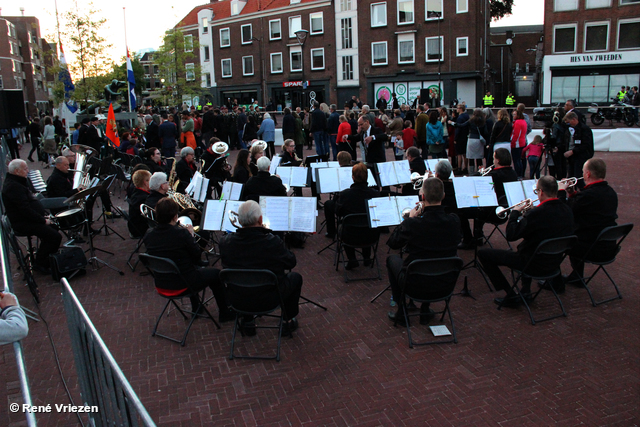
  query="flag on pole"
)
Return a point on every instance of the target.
[
  {"x": 132, "y": 84},
  {"x": 64, "y": 75},
  {"x": 112, "y": 127}
]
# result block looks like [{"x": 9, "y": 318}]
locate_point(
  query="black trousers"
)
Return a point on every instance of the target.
[
  {"x": 202, "y": 278},
  {"x": 434, "y": 289},
  {"x": 330, "y": 216},
  {"x": 49, "y": 240},
  {"x": 492, "y": 259}
]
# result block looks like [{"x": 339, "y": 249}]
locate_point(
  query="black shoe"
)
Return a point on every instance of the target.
[
  {"x": 466, "y": 245},
  {"x": 510, "y": 301},
  {"x": 290, "y": 326},
  {"x": 367, "y": 262},
  {"x": 30, "y": 159},
  {"x": 78, "y": 239},
  {"x": 226, "y": 316},
  {"x": 329, "y": 235},
  {"x": 427, "y": 316},
  {"x": 41, "y": 268},
  {"x": 352, "y": 264},
  {"x": 397, "y": 317},
  {"x": 546, "y": 284},
  {"x": 572, "y": 280},
  {"x": 248, "y": 327}
]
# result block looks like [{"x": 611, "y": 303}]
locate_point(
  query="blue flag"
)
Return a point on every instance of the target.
[
  {"x": 64, "y": 76},
  {"x": 132, "y": 84}
]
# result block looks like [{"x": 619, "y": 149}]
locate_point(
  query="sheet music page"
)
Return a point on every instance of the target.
[
  {"x": 371, "y": 181},
  {"x": 432, "y": 164},
  {"x": 203, "y": 191},
  {"x": 383, "y": 212},
  {"x": 403, "y": 171},
  {"x": 236, "y": 191},
  {"x": 303, "y": 214},
  {"x": 232, "y": 205},
  {"x": 528, "y": 186},
  {"x": 345, "y": 177},
  {"x": 315, "y": 166},
  {"x": 333, "y": 164},
  {"x": 276, "y": 209},
  {"x": 465, "y": 190},
  {"x": 387, "y": 174},
  {"x": 275, "y": 162},
  {"x": 329, "y": 181},
  {"x": 191, "y": 187},
  {"x": 298, "y": 177},
  {"x": 404, "y": 202},
  {"x": 514, "y": 192},
  {"x": 426, "y": 165},
  {"x": 213, "y": 214},
  {"x": 226, "y": 190},
  {"x": 285, "y": 174},
  {"x": 485, "y": 192},
  {"x": 440, "y": 330}
]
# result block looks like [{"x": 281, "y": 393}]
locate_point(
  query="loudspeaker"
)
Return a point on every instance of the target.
[
  {"x": 12, "y": 109},
  {"x": 424, "y": 96}
]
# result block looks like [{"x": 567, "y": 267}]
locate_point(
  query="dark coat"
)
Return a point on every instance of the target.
[
  {"x": 417, "y": 165},
  {"x": 60, "y": 184},
  {"x": 241, "y": 175},
  {"x": 184, "y": 173},
  {"x": 21, "y": 205},
  {"x": 354, "y": 199},
  {"x": 318, "y": 121},
  {"x": 137, "y": 222},
  {"x": 375, "y": 151},
  {"x": 92, "y": 138},
  {"x": 585, "y": 149},
  {"x": 594, "y": 208},
  {"x": 500, "y": 176},
  {"x": 152, "y": 135},
  {"x": 153, "y": 198},
  {"x": 288, "y": 125},
  {"x": 263, "y": 184},
  {"x": 154, "y": 167},
  {"x": 168, "y": 133}
]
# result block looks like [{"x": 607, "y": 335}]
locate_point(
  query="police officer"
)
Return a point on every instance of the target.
[{"x": 488, "y": 100}]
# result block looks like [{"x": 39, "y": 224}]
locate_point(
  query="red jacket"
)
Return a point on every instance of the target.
[{"x": 519, "y": 134}]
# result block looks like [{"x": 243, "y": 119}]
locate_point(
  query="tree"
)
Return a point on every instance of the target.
[
  {"x": 500, "y": 8},
  {"x": 178, "y": 65},
  {"x": 120, "y": 71}
]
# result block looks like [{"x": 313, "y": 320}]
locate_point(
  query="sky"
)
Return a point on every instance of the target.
[{"x": 147, "y": 21}]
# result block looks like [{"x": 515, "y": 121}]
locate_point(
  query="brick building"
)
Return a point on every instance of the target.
[
  {"x": 592, "y": 48},
  {"x": 22, "y": 63},
  {"x": 249, "y": 50},
  {"x": 152, "y": 81}
]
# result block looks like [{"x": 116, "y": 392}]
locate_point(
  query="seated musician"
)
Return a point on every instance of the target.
[
  {"x": 257, "y": 151},
  {"x": 551, "y": 219},
  {"x": 216, "y": 169},
  {"x": 344, "y": 160},
  {"x": 353, "y": 200},
  {"x": 263, "y": 184},
  {"x": 428, "y": 233},
  {"x": 154, "y": 160},
  {"x": 502, "y": 172},
  {"x": 416, "y": 164},
  {"x": 169, "y": 240},
  {"x": 137, "y": 222},
  {"x": 185, "y": 168},
  {"x": 27, "y": 215},
  {"x": 594, "y": 208},
  {"x": 158, "y": 187},
  {"x": 241, "y": 170},
  {"x": 260, "y": 249},
  {"x": 443, "y": 171}
]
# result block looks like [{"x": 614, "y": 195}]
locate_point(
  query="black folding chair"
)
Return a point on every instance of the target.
[
  {"x": 253, "y": 293},
  {"x": 166, "y": 270},
  {"x": 355, "y": 232},
  {"x": 150, "y": 214},
  {"x": 558, "y": 247},
  {"x": 614, "y": 234},
  {"x": 430, "y": 281},
  {"x": 24, "y": 261}
]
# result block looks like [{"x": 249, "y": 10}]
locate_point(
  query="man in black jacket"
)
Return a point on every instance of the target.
[
  {"x": 91, "y": 137},
  {"x": 551, "y": 219},
  {"x": 152, "y": 135},
  {"x": 416, "y": 164},
  {"x": 581, "y": 146},
  {"x": 26, "y": 214},
  {"x": 372, "y": 139},
  {"x": 263, "y": 184},
  {"x": 319, "y": 130},
  {"x": 168, "y": 240},
  {"x": 255, "y": 247},
  {"x": 428, "y": 233},
  {"x": 158, "y": 187}
]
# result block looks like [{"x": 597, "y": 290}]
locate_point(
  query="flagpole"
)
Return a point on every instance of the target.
[{"x": 126, "y": 45}]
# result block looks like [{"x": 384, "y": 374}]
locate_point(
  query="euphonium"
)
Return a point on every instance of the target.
[{"x": 417, "y": 179}]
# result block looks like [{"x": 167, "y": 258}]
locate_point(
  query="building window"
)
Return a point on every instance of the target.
[
  {"x": 564, "y": 38},
  {"x": 226, "y": 67},
  {"x": 155, "y": 70},
  {"x": 462, "y": 6},
  {"x": 379, "y": 14},
  {"x": 315, "y": 23},
  {"x": 596, "y": 36},
  {"x": 562, "y": 5},
  {"x": 405, "y": 12},
  {"x": 295, "y": 24},
  {"x": 295, "y": 58},
  {"x": 1, "y": 83},
  {"x": 623, "y": 2},
  {"x": 146, "y": 69},
  {"x": 462, "y": 46},
  {"x": 205, "y": 25},
  {"x": 347, "y": 68},
  {"x": 156, "y": 84},
  {"x": 276, "y": 63},
  {"x": 207, "y": 80},
  {"x": 434, "y": 48},
  {"x": 188, "y": 43},
  {"x": 406, "y": 49},
  {"x": 190, "y": 73},
  {"x": 275, "y": 29},
  {"x": 205, "y": 49},
  {"x": 629, "y": 34},
  {"x": 246, "y": 34},
  {"x": 225, "y": 37},
  {"x": 345, "y": 25},
  {"x": 247, "y": 65},
  {"x": 147, "y": 84},
  {"x": 433, "y": 9},
  {"x": 345, "y": 5},
  {"x": 595, "y": 4},
  {"x": 317, "y": 59},
  {"x": 379, "y": 53}
]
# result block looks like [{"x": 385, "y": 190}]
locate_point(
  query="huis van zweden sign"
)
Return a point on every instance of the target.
[{"x": 596, "y": 58}]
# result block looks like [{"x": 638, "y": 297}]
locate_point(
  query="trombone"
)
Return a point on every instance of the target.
[{"x": 502, "y": 213}]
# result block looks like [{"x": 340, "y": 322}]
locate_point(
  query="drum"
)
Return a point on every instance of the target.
[{"x": 70, "y": 218}]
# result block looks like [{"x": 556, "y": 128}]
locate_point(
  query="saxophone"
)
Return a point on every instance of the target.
[{"x": 173, "y": 181}]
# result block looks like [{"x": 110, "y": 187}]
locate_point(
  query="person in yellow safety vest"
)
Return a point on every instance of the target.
[
  {"x": 511, "y": 101},
  {"x": 622, "y": 94},
  {"x": 488, "y": 100}
]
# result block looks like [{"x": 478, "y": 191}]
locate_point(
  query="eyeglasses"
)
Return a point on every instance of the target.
[{"x": 537, "y": 191}]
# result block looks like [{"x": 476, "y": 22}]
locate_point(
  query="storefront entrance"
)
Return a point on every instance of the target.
[{"x": 293, "y": 97}]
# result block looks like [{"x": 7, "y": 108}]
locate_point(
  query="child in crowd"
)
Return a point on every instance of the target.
[{"x": 534, "y": 152}]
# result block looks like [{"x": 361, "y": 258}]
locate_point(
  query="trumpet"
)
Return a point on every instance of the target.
[
  {"x": 417, "y": 179},
  {"x": 570, "y": 181},
  {"x": 502, "y": 213},
  {"x": 185, "y": 222},
  {"x": 406, "y": 212},
  {"x": 486, "y": 171}
]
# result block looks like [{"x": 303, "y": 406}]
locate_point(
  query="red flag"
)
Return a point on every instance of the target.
[{"x": 112, "y": 127}]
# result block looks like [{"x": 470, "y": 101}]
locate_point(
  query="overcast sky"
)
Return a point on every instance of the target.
[{"x": 147, "y": 21}]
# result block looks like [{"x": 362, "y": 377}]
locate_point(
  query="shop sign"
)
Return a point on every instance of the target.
[
  {"x": 596, "y": 58},
  {"x": 295, "y": 84}
]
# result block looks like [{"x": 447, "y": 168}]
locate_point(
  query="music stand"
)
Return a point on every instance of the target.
[{"x": 108, "y": 181}]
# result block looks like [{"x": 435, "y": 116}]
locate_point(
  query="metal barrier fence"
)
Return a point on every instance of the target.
[{"x": 108, "y": 396}]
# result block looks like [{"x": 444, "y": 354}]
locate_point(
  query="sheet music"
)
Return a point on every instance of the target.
[
  {"x": 298, "y": 177},
  {"x": 236, "y": 191},
  {"x": 285, "y": 174},
  {"x": 514, "y": 192},
  {"x": 275, "y": 162},
  {"x": 333, "y": 164},
  {"x": 303, "y": 214},
  {"x": 440, "y": 330},
  {"x": 231, "y": 205},
  {"x": 465, "y": 190},
  {"x": 403, "y": 171},
  {"x": 431, "y": 164},
  {"x": 383, "y": 211},
  {"x": 406, "y": 202},
  {"x": 345, "y": 178},
  {"x": 276, "y": 209},
  {"x": 315, "y": 166},
  {"x": 227, "y": 187},
  {"x": 203, "y": 191},
  {"x": 213, "y": 212},
  {"x": 484, "y": 190},
  {"x": 528, "y": 186},
  {"x": 387, "y": 174},
  {"x": 328, "y": 179},
  {"x": 371, "y": 181}
]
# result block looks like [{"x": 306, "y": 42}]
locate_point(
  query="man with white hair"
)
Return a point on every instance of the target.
[
  {"x": 27, "y": 215},
  {"x": 159, "y": 186},
  {"x": 261, "y": 249},
  {"x": 263, "y": 184}
]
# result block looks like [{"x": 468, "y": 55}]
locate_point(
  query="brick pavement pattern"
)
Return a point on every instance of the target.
[{"x": 349, "y": 366}]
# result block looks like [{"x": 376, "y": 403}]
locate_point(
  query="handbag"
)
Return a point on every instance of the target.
[{"x": 67, "y": 261}]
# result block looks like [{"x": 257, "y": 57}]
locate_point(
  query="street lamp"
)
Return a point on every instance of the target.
[{"x": 301, "y": 35}]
